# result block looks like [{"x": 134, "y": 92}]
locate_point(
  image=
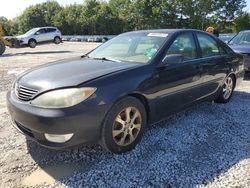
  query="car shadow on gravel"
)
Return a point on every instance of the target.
[
  {"x": 33, "y": 53},
  {"x": 194, "y": 147}
]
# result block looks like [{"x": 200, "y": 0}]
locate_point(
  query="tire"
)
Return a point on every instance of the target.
[
  {"x": 2, "y": 47},
  {"x": 227, "y": 90},
  {"x": 32, "y": 43},
  {"x": 123, "y": 125},
  {"x": 57, "y": 40}
]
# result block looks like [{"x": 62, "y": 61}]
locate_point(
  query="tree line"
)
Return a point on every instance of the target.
[{"x": 94, "y": 17}]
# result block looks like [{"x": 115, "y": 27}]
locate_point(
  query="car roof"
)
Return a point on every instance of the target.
[
  {"x": 45, "y": 27},
  {"x": 245, "y": 31},
  {"x": 164, "y": 30}
]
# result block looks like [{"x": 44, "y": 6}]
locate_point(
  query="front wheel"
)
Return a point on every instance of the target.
[
  {"x": 227, "y": 90},
  {"x": 123, "y": 126},
  {"x": 32, "y": 43}
]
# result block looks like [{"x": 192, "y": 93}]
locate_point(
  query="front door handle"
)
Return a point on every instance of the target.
[{"x": 199, "y": 67}]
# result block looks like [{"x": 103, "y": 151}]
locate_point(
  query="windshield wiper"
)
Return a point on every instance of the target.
[
  {"x": 106, "y": 59},
  {"x": 85, "y": 55}
]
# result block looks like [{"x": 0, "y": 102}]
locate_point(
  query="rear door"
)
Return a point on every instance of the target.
[
  {"x": 177, "y": 84},
  {"x": 51, "y": 33},
  {"x": 213, "y": 61}
]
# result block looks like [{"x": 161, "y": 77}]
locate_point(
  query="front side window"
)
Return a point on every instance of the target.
[
  {"x": 41, "y": 31},
  {"x": 184, "y": 45},
  {"x": 131, "y": 47},
  {"x": 208, "y": 45}
]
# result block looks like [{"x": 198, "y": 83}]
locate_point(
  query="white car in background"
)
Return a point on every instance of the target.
[{"x": 40, "y": 35}]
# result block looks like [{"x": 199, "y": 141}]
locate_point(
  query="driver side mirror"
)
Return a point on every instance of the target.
[{"x": 172, "y": 59}]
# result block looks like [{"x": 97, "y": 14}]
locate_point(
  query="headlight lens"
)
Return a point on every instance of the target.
[{"x": 63, "y": 98}]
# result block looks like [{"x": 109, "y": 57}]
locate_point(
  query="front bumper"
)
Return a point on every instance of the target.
[
  {"x": 83, "y": 120},
  {"x": 22, "y": 41}
]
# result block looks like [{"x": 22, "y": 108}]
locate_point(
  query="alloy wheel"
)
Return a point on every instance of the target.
[
  {"x": 57, "y": 40},
  {"x": 32, "y": 44},
  {"x": 228, "y": 88},
  {"x": 127, "y": 126}
]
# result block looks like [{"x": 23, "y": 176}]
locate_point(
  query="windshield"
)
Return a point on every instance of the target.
[
  {"x": 32, "y": 31},
  {"x": 241, "y": 38},
  {"x": 130, "y": 47},
  {"x": 226, "y": 37}
]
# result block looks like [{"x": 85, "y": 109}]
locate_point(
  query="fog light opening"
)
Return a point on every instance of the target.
[{"x": 58, "y": 138}]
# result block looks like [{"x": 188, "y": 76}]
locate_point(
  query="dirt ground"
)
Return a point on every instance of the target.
[
  {"x": 205, "y": 146},
  {"x": 12, "y": 63}
]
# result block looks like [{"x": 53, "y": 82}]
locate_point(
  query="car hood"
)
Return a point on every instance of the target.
[
  {"x": 23, "y": 36},
  {"x": 68, "y": 73},
  {"x": 242, "y": 49}
]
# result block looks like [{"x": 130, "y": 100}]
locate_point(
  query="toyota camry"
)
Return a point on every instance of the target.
[{"x": 111, "y": 94}]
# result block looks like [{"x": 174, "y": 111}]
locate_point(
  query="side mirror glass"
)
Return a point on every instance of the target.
[{"x": 172, "y": 59}]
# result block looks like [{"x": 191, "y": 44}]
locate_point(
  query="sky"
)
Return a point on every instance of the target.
[{"x": 13, "y": 8}]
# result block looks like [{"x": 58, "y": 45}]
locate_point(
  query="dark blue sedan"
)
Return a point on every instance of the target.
[{"x": 111, "y": 94}]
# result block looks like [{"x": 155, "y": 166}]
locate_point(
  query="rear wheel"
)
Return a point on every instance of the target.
[
  {"x": 123, "y": 126},
  {"x": 227, "y": 90},
  {"x": 2, "y": 47},
  {"x": 57, "y": 40},
  {"x": 32, "y": 43}
]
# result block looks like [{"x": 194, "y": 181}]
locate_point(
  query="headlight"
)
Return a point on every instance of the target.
[{"x": 63, "y": 98}]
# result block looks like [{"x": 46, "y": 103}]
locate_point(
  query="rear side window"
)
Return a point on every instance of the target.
[
  {"x": 184, "y": 44},
  {"x": 50, "y": 30},
  {"x": 209, "y": 46}
]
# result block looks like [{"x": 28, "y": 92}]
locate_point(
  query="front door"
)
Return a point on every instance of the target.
[
  {"x": 177, "y": 84},
  {"x": 41, "y": 35}
]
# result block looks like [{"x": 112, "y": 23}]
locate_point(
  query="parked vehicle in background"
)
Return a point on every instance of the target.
[
  {"x": 40, "y": 35},
  {"x": 241, "y": 44},
  {"x": 226, "y": 37},
  {"x": 87, "y": 38},
  {"x": 111, "y": 94}
]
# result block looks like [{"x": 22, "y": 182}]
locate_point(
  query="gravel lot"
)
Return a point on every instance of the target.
[{"x": 205, "y": 146}]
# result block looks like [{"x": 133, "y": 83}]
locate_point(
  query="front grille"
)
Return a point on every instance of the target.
[{"x": 24, "y": 93}]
